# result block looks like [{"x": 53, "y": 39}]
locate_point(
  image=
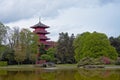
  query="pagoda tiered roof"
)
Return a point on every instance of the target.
[
  {"x": 45, "y": 43},
  {"x": 40, "y": 31},
  {"x": 44, "y": 37},
  {"x": 39, "y": 24}
]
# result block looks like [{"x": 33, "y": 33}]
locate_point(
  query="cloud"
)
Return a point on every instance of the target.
[
  {"x": 14, "y": 10},
  {"x": 74, "y": 16},
  {"x": 77, "y": 20},
  {"x": 108, "y": 1}
]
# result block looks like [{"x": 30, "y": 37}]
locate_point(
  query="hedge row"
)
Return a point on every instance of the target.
[{"x": 3, "y": 63}]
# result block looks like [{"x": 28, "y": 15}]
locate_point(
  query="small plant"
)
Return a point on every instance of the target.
[{"x": 106, "y": 60}]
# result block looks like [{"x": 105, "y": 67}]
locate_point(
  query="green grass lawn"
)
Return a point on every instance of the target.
[
  {"x": 58, "y": 66},
  {"x": 66, "y": 66},
  {"x": 18, "y": 67},
  {"x": 32, "y": 67}
]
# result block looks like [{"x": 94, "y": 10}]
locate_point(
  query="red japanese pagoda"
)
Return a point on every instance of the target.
[{"x": 40, "y": 30}]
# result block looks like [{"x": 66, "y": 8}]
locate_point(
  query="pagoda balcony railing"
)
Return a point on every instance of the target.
[
  {"x": 44, "y": 38},
  {"x": 42, "y": 32},
  {"x": 45, "y": 43}
]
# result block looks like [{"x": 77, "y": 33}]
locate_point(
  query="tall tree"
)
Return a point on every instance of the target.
[
  {"x": 3, "y": 32},
  {"x": 51, "y": 52},
  {"x": 42, "y": 52},
  {"x": 33, "y": 47},
  {"x": 9, "y": 55},
  {"x": 20, "y": 53},
  {"x": 19, "y": 46},
  {"x": 71, "y": 52},
  {"x": 42, "y": 49},
  {"x": 93, "y": 45},
  {"x": 49, "y": 55},
  {"x": 65, "y": 50},
  {"x": 2, "y": 52},
  {"x": 12, "y": 37},
  {"x": 32, "y": 57},
  {"x": 25, "y": 40},
  {"x": 27, "y": 45},
  {"x": 22, "y": 43},
  {"x": 115, "y": 42}
]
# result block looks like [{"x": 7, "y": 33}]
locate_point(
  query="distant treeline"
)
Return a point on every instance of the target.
[{"x": 20, "y": 46}]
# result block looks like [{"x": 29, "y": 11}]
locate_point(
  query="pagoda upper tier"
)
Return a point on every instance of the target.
[
  {"x": 39, "y": 25},
  {"x": 40, "y": 30}
]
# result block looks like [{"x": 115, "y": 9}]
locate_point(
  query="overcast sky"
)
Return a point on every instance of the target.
[{"x": 72, "y": 16}]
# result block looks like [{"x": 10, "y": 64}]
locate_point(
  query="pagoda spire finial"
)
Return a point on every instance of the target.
[{"x": 39, "y": 19}]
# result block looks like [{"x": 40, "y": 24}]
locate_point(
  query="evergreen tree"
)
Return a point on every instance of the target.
[
  {"x": 115, "y": 42},
  {"x": 70, "y": 48},
  {"x": 65, "y": 50}
]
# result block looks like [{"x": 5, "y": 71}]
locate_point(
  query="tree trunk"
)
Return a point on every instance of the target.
[{"x": 18, "y": 63}]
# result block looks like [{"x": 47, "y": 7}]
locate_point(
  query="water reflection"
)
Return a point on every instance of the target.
[
  {"x": 80, "y": 74},
  {"x": 98, "y": 74}
]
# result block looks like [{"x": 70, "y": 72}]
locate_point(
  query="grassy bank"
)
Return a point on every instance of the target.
[
  {"x": 32, "y": 67},
  {"x": 18, "y": 67},
  {"x": 66, "y": 66},
  {"x": 58, "y": 66}
]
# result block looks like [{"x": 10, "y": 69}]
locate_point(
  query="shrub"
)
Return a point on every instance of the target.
[
  {"x": 97, "y": 61},
  {"x": 118, "y": 61},
  {"x": 3, "y": 63},
  {"x": 85, "y": 61},
  {"x": 45, "y": 57}
]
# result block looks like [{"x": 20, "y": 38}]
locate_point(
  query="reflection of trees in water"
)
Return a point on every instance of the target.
[
  {"x": 90, "y": 72},
  {"x": 48, "y": 76},
  {"x": 59, "y": 75},
  {"x": 94, "y": 74},
  {"x": 81, "y": 74},
  {"x": 3, "y": 72},
  {"x": 21, "y": 75},
  {"x": 65, "y": 75},
  {"x": 40, "y": 75}
]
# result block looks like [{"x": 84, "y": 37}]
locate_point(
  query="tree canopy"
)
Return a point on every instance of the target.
[
  {"x": 65, "y": 49},
  {"x": 26, "y": 45},
  {"x": 93, "y": 45},
  {"x": 115, "y": 41},
  {"x": 3, "y": 31},
  {"x": 17, "y": 44},
  {"x": 21, "y": 45}
]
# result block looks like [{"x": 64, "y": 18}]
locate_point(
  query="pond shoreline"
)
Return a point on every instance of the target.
[{"x": 60, "y": 66}]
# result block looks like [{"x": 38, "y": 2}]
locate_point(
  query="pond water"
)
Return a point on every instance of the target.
[{"x": 69, "y": 74}]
